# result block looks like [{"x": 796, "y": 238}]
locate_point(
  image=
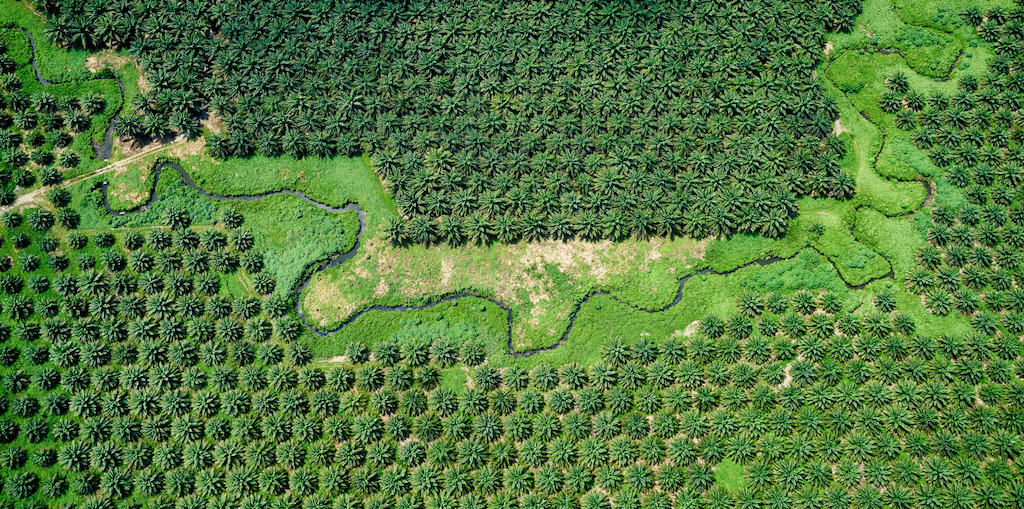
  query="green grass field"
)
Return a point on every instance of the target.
[
  {"x": 292, "y": 233},
  {"x": 543, "y": 283}
]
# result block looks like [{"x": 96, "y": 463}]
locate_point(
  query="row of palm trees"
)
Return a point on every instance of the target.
[
  {"x": 975, "y": 135},
  {"x": 527, "y": 88}
]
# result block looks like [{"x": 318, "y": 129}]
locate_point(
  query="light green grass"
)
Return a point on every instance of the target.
[
  {"x": 929, "y": 34},
  {"x": 942, "y": 15},
  {"x": 543, "y": 282},
  {"x": 453, "y": 379},
  {"x": 729, "y": 475},
  {"x": 55, "y": 63},
  {"x": 292, "y": 233},
  {"x": 334, "y": 181},
  {"x": 600, "y": 320},
  {"x": 856, "y": 79},
  {"x": 129, "y": 186}
]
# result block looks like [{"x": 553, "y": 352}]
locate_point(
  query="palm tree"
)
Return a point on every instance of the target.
[
  {"x": 422, "y": 229},
  {"x": 127, "y": 126},
  {"x": 532, "y": 227},
  {"x": 479, "y": 229},
  {"x": 452, "y": 231}
]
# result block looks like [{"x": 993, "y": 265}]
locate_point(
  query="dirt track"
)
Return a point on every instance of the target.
[{"x": 34, "y": 195}]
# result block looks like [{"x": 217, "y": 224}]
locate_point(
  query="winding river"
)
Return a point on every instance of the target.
[
  {"x": 103, "y": 151},
  {"x": 341, "y": 258}
]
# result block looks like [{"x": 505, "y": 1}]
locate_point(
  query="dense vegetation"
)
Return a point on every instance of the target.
[
  {"x": 37, "y": 130},
  {"x": 127, "y": 378},
  {"x": 500, "y": 121},
  {"x": 972, "y": 265},
  {"x": 162, "y": 366},
  {"x": 74, "y": 303}
]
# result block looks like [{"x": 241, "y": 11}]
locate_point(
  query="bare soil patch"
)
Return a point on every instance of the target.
[
  {"x": 131, "y": 147},
  {"x": 190, "y": 148},
  {"x": 143, "y": 83},
  {"x": 539, "y": 279},
  {"x": 214, "y": 122},
  {"x": 691, "y": 329},
  {"x": 838, "y": 128},
  {"x": 106, "y": 59},
  {"x": 571, "y": 257},
  {"x": 325, "y": 301}
]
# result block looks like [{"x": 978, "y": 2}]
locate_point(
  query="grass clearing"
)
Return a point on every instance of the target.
[
  {"x": 794, "y": 390},
  {"x": 541, "y": 281},
  {"x": 290, "y": 232},
  {"x": 130, "y": 184},
  {"x": 729, "y": 475},
  {"x": 858, "y": 238}
]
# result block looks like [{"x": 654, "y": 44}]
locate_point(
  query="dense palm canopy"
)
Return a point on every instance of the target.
[
  {"x": 501, "y": 121},
  {"x": 155, "y": 367},
  {"x": 177, "y": 397}
]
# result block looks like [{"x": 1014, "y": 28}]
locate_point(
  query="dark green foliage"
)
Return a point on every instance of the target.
[
  {"x": 131, "y": 378},
  {"x": 596, "y": 123},
  {"x": 20, "y": 115}
]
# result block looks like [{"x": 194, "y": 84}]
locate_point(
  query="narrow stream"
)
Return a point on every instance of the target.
[
  {"x": 341, "y": 258},
  {"x": 103, "y": 150}
]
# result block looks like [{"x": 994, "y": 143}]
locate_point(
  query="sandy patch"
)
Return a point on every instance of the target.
[
  {"x": 337, "y": 359},
  {"x": 533, "y": 277},
  {"x": 325, "y": 302},
  {"x": 838, "y": 128},
  {"x": 286, "y": 174},
  {"x": 189, "y": 148},
  {"x": 653, "y": 254},
  {"x": 692, "y": 328},
  {"x": 106, "y": 59},
  {"x": 828, "y": 47},
  {"x": 214, "y": 122},
  {"x": 789, "y": 377},
  {"x": 447, "y": 269},
  {"x": 571, "y": 257},
  {"x": 120, "y": 171},
  {"x": 537, "y": 298},
  {"x": 132, "y": 197},
  {"x": 131, "y": 146},
  {"x": 385, "y": 262},
  {"x": 698, "y": 249},
  {"x": 143, "y": 83}
]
